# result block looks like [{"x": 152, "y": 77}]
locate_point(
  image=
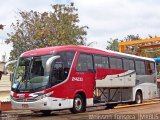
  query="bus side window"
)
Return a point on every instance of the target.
[
  {"x": 140, "y": 67},
  {"x": 85, "y": 63},
  {"x": 152, "y": 65},
  {"x": 97, "y": 61},
  {"x": 128, "y": 64},
  {"x": 105, "y": 63},
  {"x": 115, "y": 63},
  {"x": 148, "y": 68},
  {"x": 101, "y": 61},
  {"x": 90, "y": 63}
]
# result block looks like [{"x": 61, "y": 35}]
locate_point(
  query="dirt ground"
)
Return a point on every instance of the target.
[{"x": 147, "y": 112}]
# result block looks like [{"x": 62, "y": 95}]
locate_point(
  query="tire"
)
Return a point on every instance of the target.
[
  {"x": 46, "y": 112},
  {"x": 138, "y": 98},
  {"x": 78, "y": 104}
]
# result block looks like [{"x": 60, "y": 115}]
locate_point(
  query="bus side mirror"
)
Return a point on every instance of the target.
[
  {"x": 7, "y": 64},
  {"x": 49, "y": 62}
]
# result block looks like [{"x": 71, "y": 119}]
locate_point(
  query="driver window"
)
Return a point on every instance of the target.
[
  {"x": 58, "y": 70},
  {"x": 61, "y": 66}
]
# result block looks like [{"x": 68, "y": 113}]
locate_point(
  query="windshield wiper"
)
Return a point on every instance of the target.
[{"x": 34, "y": 89}]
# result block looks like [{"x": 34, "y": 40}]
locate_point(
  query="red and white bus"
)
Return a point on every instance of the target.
[{"x": 75, "y": 77}]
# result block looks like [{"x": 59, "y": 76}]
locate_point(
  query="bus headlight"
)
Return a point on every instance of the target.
[{"x": 43, "y": 95}]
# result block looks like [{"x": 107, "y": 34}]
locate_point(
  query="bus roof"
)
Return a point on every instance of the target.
[
  {"x": 50, "y": 50},
  {"x": 127, "y": 55}
]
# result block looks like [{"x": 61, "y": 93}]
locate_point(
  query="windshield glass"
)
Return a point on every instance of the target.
[{"x": 31, "y": 73}]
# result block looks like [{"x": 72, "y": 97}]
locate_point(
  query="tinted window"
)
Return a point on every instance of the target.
[
  {"x": 62, "y": 65},
  {"x": 128, "y": 64},
  {"x": 98, "y": 62},
  {"x": 69, "y": 57},
  {"x": 105, "y": 62},
  {"x": 152, "y": 67},
  {"x": 115, "y": 63},
  {"x": 89, "y": 62},
  {"x": 85, "y": 63},
  {"x": 140, "y": 67}
]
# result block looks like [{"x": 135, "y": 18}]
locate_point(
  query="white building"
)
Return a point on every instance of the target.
[{"x": 5, "y": 50}]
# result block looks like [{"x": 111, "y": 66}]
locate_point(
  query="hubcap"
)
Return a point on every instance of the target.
[{"x": 78, "y": 104}]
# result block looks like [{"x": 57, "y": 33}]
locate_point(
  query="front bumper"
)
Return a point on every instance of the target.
[{"x": 46, "y": 103}]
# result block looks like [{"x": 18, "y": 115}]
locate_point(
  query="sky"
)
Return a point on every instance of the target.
[{"x": 106, "y": 19}]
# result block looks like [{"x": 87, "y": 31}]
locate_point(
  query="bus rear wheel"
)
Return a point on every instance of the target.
[
  {"x": 138, "y": 98},
  {"x": 78, "y": 104}
]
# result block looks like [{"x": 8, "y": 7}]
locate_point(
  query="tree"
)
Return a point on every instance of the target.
[
  {"x": 134, "y": 49},
  {"x": 113, "y": 43},
  {"x": 131, "y": 38},
  {"x": 36, "y": 30},
  {"x": 131, "y": 49},
  {"x": 1, "y": 26}
]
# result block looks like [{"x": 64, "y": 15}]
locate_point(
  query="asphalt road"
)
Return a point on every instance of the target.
[{"x": 146, "y": 112}]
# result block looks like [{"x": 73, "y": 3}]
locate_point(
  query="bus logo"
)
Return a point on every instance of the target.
[{"x": 21, "y": 95}]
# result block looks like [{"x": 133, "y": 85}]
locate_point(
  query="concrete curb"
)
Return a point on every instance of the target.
[{"x": 136, "y": 105}]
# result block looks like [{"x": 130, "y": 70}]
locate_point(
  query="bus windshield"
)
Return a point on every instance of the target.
[{"x": 31, "y": 73}]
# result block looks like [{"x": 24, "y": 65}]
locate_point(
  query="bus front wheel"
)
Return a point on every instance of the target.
[
  {"x": 138, "y": 97},
  {"x": 78, "y": 104}
]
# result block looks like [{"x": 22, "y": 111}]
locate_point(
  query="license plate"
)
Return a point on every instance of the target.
[{"x": 24, "y": 105}]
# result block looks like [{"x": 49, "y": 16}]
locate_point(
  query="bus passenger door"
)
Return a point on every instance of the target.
[{"x": 85, "y": 75}]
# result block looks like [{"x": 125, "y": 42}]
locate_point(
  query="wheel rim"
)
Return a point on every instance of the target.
[
  {"x": 138, "y": 99},
  {"x": 78, "y": 104}
]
